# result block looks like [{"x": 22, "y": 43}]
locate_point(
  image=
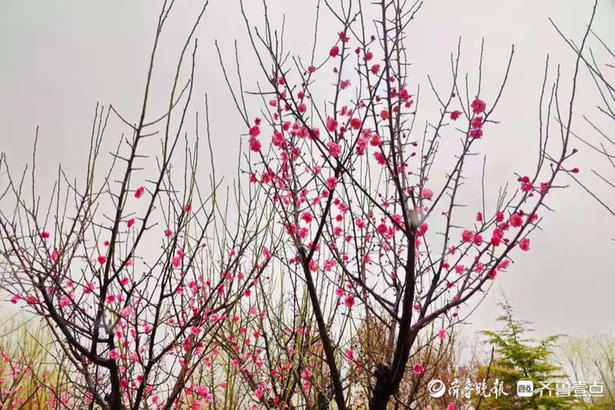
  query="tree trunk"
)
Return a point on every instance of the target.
[{"x": 383, "y": 390}]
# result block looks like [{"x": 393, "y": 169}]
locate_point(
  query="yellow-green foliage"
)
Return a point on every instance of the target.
[{"x": 30, "y": 374}]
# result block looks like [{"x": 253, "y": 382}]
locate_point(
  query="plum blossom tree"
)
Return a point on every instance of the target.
[
  {"x": 357, "y": 225},
  {"x": 134, "y": 266},
  {"x": 374, "y": 206}
]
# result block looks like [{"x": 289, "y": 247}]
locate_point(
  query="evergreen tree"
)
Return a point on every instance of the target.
[{"x": 518, "y": 357}]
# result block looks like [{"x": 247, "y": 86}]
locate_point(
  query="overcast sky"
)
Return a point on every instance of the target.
[{"x": 58, "y": 58}]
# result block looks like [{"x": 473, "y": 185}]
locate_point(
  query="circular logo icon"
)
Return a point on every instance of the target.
[{"x": 436, "y": 388}]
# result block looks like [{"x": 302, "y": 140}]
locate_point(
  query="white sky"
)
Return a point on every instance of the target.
[{"x": 58, "y": 58}]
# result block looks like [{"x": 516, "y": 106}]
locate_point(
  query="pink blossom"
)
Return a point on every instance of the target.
[
  {"x": 380, "y": 158},
  {"x": 375, "y": 140},
  {"x": 334, "y": 52},
  {"x": 427, "y": 193},
  {"x": 331, "y": 182},
  {"x": 130, "y": 222},
  {"x": 331, "y": 124},
  {"x": 255, "y": 144},
  {"x": 478, "y": 106},
  {"x": 90, "y": 286},
  {"x": 266, "y": 253},
  {"x": 497, "y": 237},
  {"x": 476, "y": 133},
  {"x": 417, "y": 368},
  {"x": 334, "y": 149},
  {"x": 31, "y": 300},
  {"x": 477, "y": 122},
  {"x": 360, "y": 223},
  {"x": 524, "y": 244},
  {"x": 254, "y": 131},
  {"x": 134, "y": 357},
  {"x": 544, "y": 187},
  {"x": 442, "y": 334},
  {"x": 114, "y": 354},
  {"x": 176, "y": 261},
  {"x": 102, "y": 259},
  {"x": 478, "y": 240},
  {"x": 139, "y": 192},
  {"x": 349, "y": 301},
  {"x": 202, "y": 390},
  {"x": 422, "y": 229},
  {"x": 278, "y": 139},
  {"x": 44, "y": 235},
  {"x": 306, "y": 216},
  {"x": 362, "y": 143},
  {"x": 64, "y": 301},
  {"x": 403, "y": 93},
  {"x": 515, "y": 220},
  {"x": 455, "y": 114},
  {"x": 467, "y": 236}
]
